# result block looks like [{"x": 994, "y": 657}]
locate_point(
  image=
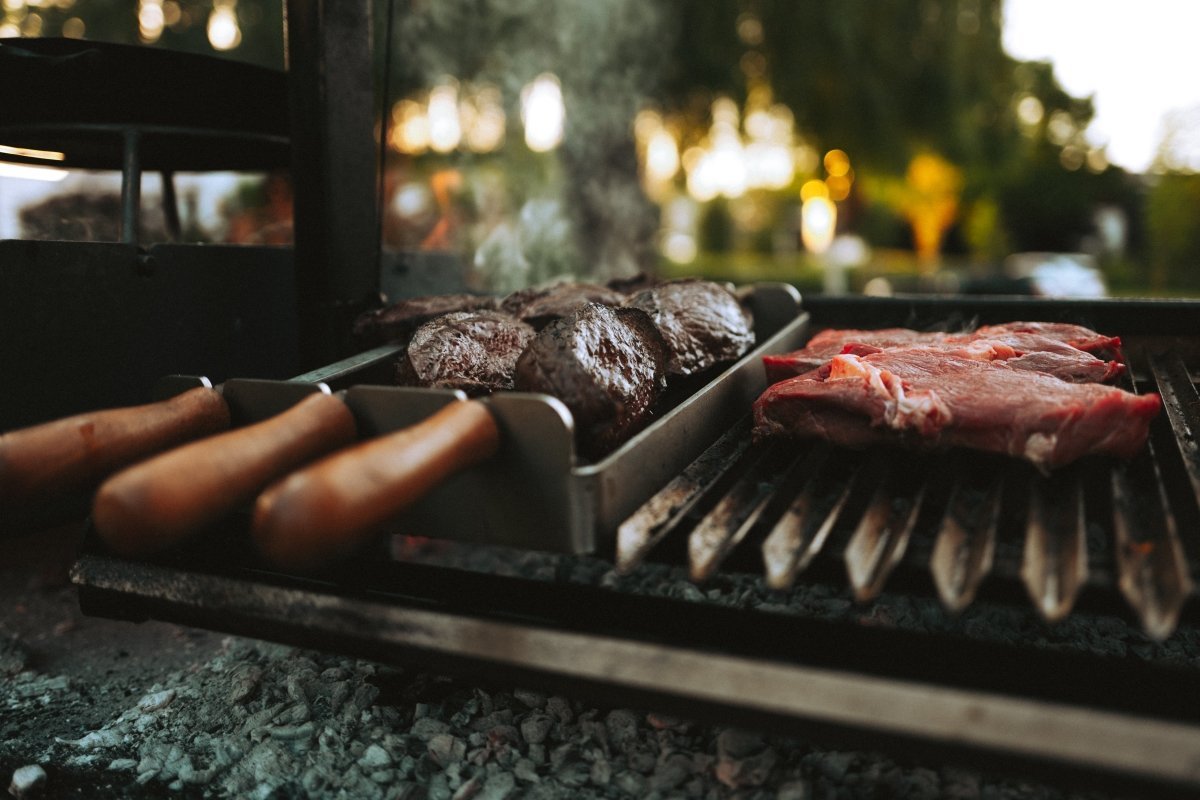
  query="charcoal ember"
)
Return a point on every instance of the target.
[
  {"x": 743, "y": 759},
  {"x": 475, "y": 351},
  {"x": 702, "y": 322},
  {"x": 398, "y": 322},
  {"x": 541, "y": 305},
  {"x": 608, "y": 366}
]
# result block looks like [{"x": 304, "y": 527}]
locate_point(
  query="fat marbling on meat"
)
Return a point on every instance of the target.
[{"x": 1068, "y": 352}]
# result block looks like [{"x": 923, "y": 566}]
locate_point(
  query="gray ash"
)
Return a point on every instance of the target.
[{"x": 265, "y": 721}]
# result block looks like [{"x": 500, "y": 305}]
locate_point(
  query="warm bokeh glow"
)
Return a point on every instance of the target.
[
  {"x": 837, "y": 163},
  {"x": 818, "y": 222},
  {"x": 542, "y": 113},
  {"x": 813, "y": 188},
  {"x": 483, "y": 120},
  {"x": 223, "y": 30},
  {"x": 26, "y": 152},
  {"x": 150, "y": 20},
  {"x": 445, "y": 132}
]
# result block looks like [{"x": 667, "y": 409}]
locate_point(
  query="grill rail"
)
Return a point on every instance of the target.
[{"x": 1099, "y": 523}]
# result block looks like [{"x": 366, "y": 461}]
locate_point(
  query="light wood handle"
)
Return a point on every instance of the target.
[
  {"x": 163, "y": 501},
  {"x": 47, "y": 461},
  {"x": 333, "y": 507}
]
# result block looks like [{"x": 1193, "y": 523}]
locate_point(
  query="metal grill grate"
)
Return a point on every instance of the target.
[{"x": 962, "y": 519}]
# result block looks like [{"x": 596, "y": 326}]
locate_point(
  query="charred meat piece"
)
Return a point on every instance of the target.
[
  {"x": 926, "y": 397},
  {"x": 1058, "y": 350},
  {"x": 540, "y": 305},
  {"x": 475, "y": 351},
  {"x": 633, "y": 284},
  {"x": 702, "y": 322},
  {"x": 397, "y": 322},
  {"x": 608, "y": 366}
]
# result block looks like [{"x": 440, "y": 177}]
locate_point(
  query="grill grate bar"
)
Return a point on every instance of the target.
[
  {"x": 966, "y": 540},
  {"x": 1153, "y": 574},
  {"x": 882, "y": 535},
  {"x": 667, "y": 509},
  {"x": 802, "y": 530},
  {"x": 734, "y": 515},
  {"x": 1054, "y": 566},
  {"x": 961, "y": 518},
  {"x": 1182, "y": 405}
]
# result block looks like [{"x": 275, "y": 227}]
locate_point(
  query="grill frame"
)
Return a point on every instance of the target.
[{"x": 1110, "y": 721}]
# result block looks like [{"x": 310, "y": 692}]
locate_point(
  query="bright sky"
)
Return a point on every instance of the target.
[{"x": 1139, "y": 58}]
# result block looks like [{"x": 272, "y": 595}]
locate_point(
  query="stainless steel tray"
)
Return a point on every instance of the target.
[{"x": 535, "y": 492}]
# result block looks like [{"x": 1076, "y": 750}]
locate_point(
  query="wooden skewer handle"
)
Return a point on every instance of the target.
[
  {"x": 43, "y": 462},
  {"x": 333, "y": 507},
  {"x": 161, "y": 502}
]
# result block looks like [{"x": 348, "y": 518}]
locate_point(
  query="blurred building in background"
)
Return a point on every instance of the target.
[{"x": 894, "y": 145}]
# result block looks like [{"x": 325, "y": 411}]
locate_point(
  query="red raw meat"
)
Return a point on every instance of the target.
[
  {"x": 1068, "y": 352},
  {"x": 930, "y": 397}
]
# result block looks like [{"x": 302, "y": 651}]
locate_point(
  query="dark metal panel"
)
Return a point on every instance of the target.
[
  {"x": 334, "y": 169},
  {"x": 86, "y": 325}
]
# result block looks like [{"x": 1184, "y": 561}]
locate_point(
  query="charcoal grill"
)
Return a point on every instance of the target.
[{"x": 961, "y": 596}]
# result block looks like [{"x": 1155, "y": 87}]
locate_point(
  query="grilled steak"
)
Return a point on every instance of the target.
[
  {"x": 702, "y": 322},
  {"x": 475, "y": 351},
  {"x": 540, "y": 305},
  {"x": 925, "y": 396},
  {"x": 608, "y": 366},
  {"x": 397, "y": 322},
  {"x": 1068, "y": 352}
]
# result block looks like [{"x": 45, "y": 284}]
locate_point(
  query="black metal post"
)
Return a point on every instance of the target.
[
  {"x": 131, "y": 185},
  {"x": 334, "y": 176},
  {"x": 170, "y": 204}
]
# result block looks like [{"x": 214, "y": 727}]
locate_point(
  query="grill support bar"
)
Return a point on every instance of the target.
[{"x": 1065, "y": 739}]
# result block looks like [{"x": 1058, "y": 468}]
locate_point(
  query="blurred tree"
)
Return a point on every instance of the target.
[
  {"x": 888, "y": 80},
  {"x": 1171, "y": 219}
]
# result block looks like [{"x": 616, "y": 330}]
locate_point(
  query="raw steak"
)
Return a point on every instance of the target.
[
  {"x": 923, "y": 396},
  {"x": 475, "y": 351},
  {"x": 1067, "y": 352},
  {"x": 702, "y": 322}
]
